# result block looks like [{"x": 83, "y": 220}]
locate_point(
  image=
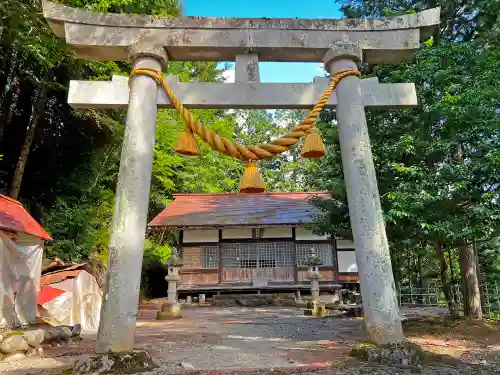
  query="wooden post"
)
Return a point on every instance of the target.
[
  {"x": 221, "y": 263},
  {"x": 294, "y": 259}
]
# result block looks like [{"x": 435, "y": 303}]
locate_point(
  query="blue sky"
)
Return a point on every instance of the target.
[{"x": 270, "y": 71}]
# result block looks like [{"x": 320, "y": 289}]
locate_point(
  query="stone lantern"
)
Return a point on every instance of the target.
[
  {"x": 313, "y": 261},
  {"x": 171, "y": 309}
]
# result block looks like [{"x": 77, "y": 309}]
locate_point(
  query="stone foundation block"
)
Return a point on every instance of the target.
[
  {"x": 14, "y": 342},
  {"x": 316, "y": 309},
  {"x": 405, "y": 354},
  {"x": 169, "y": 312},
  {"x": 115, "y": 363},
  {"x": 12, "y": 357}
]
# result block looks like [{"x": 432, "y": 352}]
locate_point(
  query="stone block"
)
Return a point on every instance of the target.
[
  {"x": 329, "y": 298},
  {"x": 14, "y": 357},
  {"x": 14, "y": 342},
  {"x": 34, "y": 337},
  {"x": 317, "y": 310},
  {"x": 118, "y": 363},
  {"x": 320, "y": 310},
  {"x": 169, "y": 312},
  {"x": 76, "y": 330},
  {"x": 354, "y": 312},
  {"x": 405, "y": 354},
  {"x": 31, "y": 352},
  {"x": 301, "y": 304},
  {"x": 254, "y": 300}
]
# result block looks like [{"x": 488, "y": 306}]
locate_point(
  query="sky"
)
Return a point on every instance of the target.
[{"x": 269, "y": 71}]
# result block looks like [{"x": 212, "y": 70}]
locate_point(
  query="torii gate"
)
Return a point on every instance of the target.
[{"x": 149, "y": 42}]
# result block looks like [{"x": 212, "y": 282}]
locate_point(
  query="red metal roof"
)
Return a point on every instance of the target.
[
  {"x": 48, "y": 293},
  {"x": 61, "y": 274},
  {"x": 14, "y": 218},
  {"x": 216, "y": 210}
]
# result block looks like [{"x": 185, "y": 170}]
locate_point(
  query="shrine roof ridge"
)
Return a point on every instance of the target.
[
  {"x": 213, "y": 210},
  {"x": 427, "y": 19}
]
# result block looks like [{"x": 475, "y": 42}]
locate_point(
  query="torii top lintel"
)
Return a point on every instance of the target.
[{"x": 107, "y": 36}]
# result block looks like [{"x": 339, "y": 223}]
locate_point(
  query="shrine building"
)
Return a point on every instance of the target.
[{"x": 240, "y": 242}]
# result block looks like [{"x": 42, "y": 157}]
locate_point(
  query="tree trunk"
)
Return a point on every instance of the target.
[
  {"x": 420, "y": 270},
  {"x": 481, "y": 280},
  {"x": 38, "y": 112},
  {"x": 470, "y": 283},
  {"x": 450, "y": 262},
  {"x": 6, "y": 105},
  {"x": 395, "y": 265},
  {"x": 452, "y": 276},
  {"x": 445, "y": 280}
]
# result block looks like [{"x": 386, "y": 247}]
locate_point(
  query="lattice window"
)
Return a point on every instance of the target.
[
  {"x": 200, "y": 257},
  {"x": 257, "y": 255},
  {"x": 230, "y": 255},
  {"x": 284, "y": 254},
  {"x": 324, "y": 251},
  {"x": 266, "y": 255},
  {"x": 210, "y": 257},
  {"x": 248, "y": 263}
]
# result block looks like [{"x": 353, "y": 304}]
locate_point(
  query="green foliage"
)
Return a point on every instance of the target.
[
  {"x": 437, "y": 165},
  {"x": 72, "y": 169},
  {"x": 164, "y": 8},
  {"x": 489, "y": 259},
  {"x": 156, "y": 253},
  {"x": 460, "y": 20}
]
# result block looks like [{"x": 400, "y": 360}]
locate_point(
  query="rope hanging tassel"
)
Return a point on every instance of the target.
[
  {"x": 251, "y": 182},
  {"x": 313, "y": 147},
  {"x": 187, "y": 144}
]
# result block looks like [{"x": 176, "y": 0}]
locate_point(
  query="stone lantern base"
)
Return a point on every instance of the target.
[
  {"x": 316, "y": 309},
  {"x": 169, "y": 311}
]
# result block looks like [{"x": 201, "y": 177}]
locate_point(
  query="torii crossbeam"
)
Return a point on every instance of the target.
[
  {"x": 149, "y": 42},
  {"x": 241, "y": 95}
]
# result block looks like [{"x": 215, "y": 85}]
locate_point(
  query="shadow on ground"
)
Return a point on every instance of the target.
[{"x": 256, "y": 340}]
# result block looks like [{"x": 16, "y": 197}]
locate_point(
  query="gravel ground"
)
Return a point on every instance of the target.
[{"x": 274, "y": 341}]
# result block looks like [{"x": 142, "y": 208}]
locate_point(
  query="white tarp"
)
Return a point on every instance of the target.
[
  {"x": 79, "y": 304},
  {"x": 20, "y": 268}
]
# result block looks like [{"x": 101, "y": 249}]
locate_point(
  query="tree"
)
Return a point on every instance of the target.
[
  {"x": 461, "y": 20},
  {"x": 68, "y": 159},
  {"x": 428, "y": 193}
]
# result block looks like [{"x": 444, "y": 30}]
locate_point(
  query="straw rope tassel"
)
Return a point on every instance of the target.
[
  {"x": 252, "y": 182},
  {"x": 313, "y": 145},
  {"x": 187, "y": 144}
]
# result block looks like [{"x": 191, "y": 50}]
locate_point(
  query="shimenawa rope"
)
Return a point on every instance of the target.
[{"x": 236, "y": 149}]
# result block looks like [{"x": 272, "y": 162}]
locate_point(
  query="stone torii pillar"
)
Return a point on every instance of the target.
[
  {"x": 378, "y": 289},
  {"x": 148, "y": 41},
  {"x": 119, "y": 309}
]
